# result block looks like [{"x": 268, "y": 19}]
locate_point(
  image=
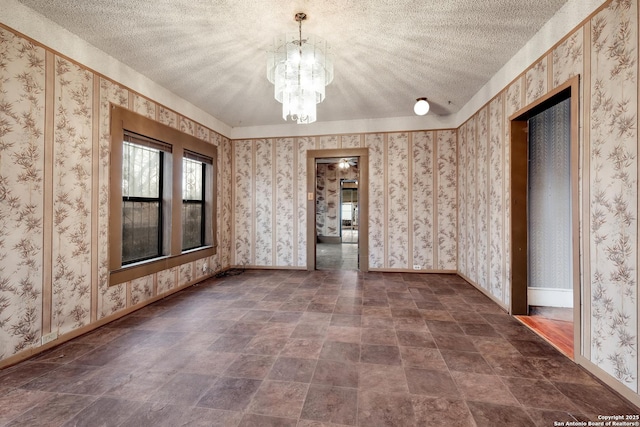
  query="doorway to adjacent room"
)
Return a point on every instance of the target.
[
  {"x": 337, "y": 213},
  {"x": 337, "y": 209},
  {"x": 544, "y": 174}
]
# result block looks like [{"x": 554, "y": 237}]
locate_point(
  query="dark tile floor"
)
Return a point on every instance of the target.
[{"x": 287, "y": 348}]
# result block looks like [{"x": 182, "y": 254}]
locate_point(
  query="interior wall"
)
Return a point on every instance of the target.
[
  {"x": 54, "y": 207},
  {"x": 328, "y": 176},
  {"x": 604, "y": 52},
  {"x": 42, "y": 226},
  {"x": 412, "y": 204}
]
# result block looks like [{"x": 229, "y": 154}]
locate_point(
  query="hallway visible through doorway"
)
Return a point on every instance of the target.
[
  {"x": 337, "y": 219},
  {"x": 336, "y": 256}
]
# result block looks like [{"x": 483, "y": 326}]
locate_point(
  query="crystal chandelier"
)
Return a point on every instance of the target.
[{"x": 299, "y": 69}]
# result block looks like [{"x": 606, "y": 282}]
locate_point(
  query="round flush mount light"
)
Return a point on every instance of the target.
[{"x": 422, "y": 106}]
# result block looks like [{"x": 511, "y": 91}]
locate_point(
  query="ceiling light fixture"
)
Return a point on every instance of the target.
[
  {"x": 344, "y": 164},
  {"x": 299, "y": 69},
  {"x": 422, "y": 106}
]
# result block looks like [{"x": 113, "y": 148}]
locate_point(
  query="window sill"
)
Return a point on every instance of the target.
[{"x": 144, "y": 268}]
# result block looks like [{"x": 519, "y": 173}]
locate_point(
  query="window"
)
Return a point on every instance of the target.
[
  {"x": 194, "y": 168},
  {"x": 142, "y": 198},
  {"x": 162, "y": 197}
]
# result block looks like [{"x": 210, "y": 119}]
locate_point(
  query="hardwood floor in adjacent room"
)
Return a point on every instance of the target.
[
  {"x": 308, "y": 349},
  {"x": 558, "y": 333}
]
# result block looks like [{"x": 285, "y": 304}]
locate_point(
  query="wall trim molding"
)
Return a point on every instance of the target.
[
  {"x": 606, "y": 378},
  {"x": 550, "y": 297}
]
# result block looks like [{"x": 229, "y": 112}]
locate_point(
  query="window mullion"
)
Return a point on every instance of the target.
[{"x": 161, "y": 203}]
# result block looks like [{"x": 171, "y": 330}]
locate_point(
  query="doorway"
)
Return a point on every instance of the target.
[
  {"x": 545, "y": 292},
  {"x": 349, "y": 211},
  {"x": 336, "y": 213},
  {"x": 337, "y": 209}
]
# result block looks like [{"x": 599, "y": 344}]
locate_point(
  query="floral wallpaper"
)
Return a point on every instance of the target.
[
  {"x": 167, "y": 280},
  {"x": 72, "y": 195},
  {"x": 568, "y": 58},
  {"x": 141, "y": 289},
  {"x": 351, "y": 141},
  {"x": 471, "y": 199},
  {"x": 481, "y": 198},
  {"x": 397, "y": 215},
  {"x": 463, "y": 264},
  {"x": 187, "y": 126},
  {"x": 263, "y": 229},
  {"x": 186, "y": 273},
  {"x": 243, "y": 202},
  {"x": 167, "y": 117},
  {"x": 22, "y": 144},
  {"x": 54, "y": 197},
  {"x": 110, "y": 298},
  {"x": 270, "y": 197},
  {"x": 377, "y": 206},
  {"x": 144, "y": 106},
  {"x": 496, "y": 199},
  {"x": 284, "y": 196},
  {"x": 536, "y": 81},
  {"x": 446, "y": 203},
  {"x": 327, "y": 200},
  {"x": 225, "y": 208},
  {"x": 423, "y": 192},
  {"x": 604, "y": 52},
  {"x": 613, "y": 192},
  {"x": 328, "y": 142}
]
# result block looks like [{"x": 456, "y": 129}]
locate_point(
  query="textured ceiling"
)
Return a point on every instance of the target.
[{"x": 387, "y": 53}]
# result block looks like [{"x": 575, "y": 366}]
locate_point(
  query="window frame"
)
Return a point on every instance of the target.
[
  {"x": 173, "y": 255},
  {"x": 202, "y": 202},
  {"x": 134, "y": 140}
]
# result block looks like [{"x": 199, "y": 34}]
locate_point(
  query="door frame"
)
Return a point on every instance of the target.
[
  {"x": 519, "y": 142},
  {"x": 363, "y": 202}
]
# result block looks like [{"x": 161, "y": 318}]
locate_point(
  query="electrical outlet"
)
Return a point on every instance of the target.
[
  {"x": 417, "y": 267},
  {"x": 204, "y": 268},
  {"x": 49, "y": 337}
]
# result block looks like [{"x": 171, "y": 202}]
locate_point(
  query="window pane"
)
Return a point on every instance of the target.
[
  {"x": 140, "y": 230},
  {"x": 191, "y": 225},
  {"x": 191, "y": 179},
  {"x": 140, "y": 171},
  {"x": 192, "y": 203}
]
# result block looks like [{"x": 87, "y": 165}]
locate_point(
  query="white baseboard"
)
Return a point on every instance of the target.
[{"x": 549, "y": 297}]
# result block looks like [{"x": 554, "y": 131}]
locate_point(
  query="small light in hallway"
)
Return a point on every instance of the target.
[
  {"x": 422, "y": 106},
  {"x": 344, "y": 164}
]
